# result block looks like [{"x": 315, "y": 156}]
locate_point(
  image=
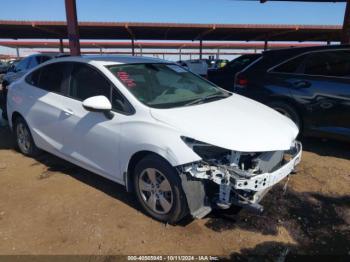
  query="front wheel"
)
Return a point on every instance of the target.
[{"x": 158, "y": 189}]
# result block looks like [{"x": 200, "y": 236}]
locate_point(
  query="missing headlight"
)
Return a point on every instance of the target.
[{"x": 209, "y": 152}]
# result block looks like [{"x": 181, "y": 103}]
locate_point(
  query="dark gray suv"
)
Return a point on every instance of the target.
[{"x": 309, "y": 85}]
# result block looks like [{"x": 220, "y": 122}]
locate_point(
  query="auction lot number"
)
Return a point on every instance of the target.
[{"x": 172, "y": 258}]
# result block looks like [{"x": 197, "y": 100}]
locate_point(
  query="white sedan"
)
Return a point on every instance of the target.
[{"x": 180, "y": 143}]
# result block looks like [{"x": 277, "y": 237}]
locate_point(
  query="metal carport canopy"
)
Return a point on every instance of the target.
[
  {"x": 170, "y": 31},
  {"x": 345, "y": 38},
  {"x": 151, "y": 45}
]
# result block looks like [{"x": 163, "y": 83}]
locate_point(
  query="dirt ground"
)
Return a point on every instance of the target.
[{"x": 48, "y": 206}]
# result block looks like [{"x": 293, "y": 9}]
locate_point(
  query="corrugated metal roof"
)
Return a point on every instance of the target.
[
  {"x": 171, "y": 31},
  {"x": 154, "y": 45}
]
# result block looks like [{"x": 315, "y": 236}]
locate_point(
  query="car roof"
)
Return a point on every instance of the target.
[
  {"x": 253, "y": 54},
  {"x": 47, "y": 54},
  {"x": 274, "y": 57},
  {"x": 304, "y": 49},
  {"x": 118, "y": 59}
]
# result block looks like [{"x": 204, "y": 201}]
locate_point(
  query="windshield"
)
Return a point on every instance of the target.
[{"x": 161, "y": 85}]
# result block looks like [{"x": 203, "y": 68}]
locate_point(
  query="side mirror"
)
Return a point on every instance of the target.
[{"x": 98, "y": 104}]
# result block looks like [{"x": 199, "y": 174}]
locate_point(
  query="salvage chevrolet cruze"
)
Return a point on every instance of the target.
[{"x": 180, "y": 143}]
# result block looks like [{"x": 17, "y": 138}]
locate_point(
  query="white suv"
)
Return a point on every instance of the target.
[{"x": 180, "y": 143}]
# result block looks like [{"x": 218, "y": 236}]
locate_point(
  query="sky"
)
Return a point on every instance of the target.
[
  {"x": 177, "y": 11},
  {"x": 180, "y": 11}
]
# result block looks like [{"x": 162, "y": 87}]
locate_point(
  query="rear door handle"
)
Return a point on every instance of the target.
[
  {"x": 68, "y": 112},
  {"x": 301, "y": 84}
]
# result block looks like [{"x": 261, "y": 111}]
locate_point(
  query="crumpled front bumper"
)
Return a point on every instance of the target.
[
  {"x": 245, "y": 190},
  {"x": 260, "y": 184},
  {"x": 266, "y": 180}
]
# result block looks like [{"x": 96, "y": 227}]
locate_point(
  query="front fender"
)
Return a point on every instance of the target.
[{"x": 156, "y": 138}]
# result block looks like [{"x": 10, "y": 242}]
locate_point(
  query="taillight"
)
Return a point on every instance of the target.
[{"x": 241, "y": 81}]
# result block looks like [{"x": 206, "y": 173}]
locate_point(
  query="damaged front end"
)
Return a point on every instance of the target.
[{"x": 224, "y": 177}]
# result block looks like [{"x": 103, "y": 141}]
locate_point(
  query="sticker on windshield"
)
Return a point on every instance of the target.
[
  {"x": 126, "y": 79},
  {"x": 177, "y": 69}
]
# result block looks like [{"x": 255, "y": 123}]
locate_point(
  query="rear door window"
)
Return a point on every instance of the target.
[
  {"x": 52, "y": 76},
  {"x": 330, "y": 63},
  {"x": 290, "y": 66},
  {"x": 33, "y": 78}
]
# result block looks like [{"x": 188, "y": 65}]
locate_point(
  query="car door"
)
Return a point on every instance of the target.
[
  {"x": 324, "y": 87},
  {"x": 91, "y": 139},
  {"x": 43, "y": 102},
  {"x": 281, "y": 81}
]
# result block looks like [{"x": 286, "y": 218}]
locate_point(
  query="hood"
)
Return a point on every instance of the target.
[{"x": 236, "y": 123}]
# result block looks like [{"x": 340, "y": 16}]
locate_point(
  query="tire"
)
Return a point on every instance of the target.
[
  {"x": 24, "y": 139},
  {"x": 287, "y": 111},
  {"x": 159, "y": 191}
]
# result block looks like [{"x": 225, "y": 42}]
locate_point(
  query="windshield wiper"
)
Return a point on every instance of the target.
[{"x": 207, "y": 98}]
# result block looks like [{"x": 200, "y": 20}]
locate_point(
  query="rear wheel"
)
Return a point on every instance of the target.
[
  {"x": 158, "y": 189},
  {"x": 287, "y": 111},
  {"x": 24, "y": 139}
]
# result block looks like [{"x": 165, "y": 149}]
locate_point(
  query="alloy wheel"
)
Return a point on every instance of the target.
[
  {"x": 23, "y": 138},
  {"x": 155, "y": 191}
]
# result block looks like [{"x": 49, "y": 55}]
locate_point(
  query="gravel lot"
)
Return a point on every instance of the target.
[{"x": 48, "y": 206}]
